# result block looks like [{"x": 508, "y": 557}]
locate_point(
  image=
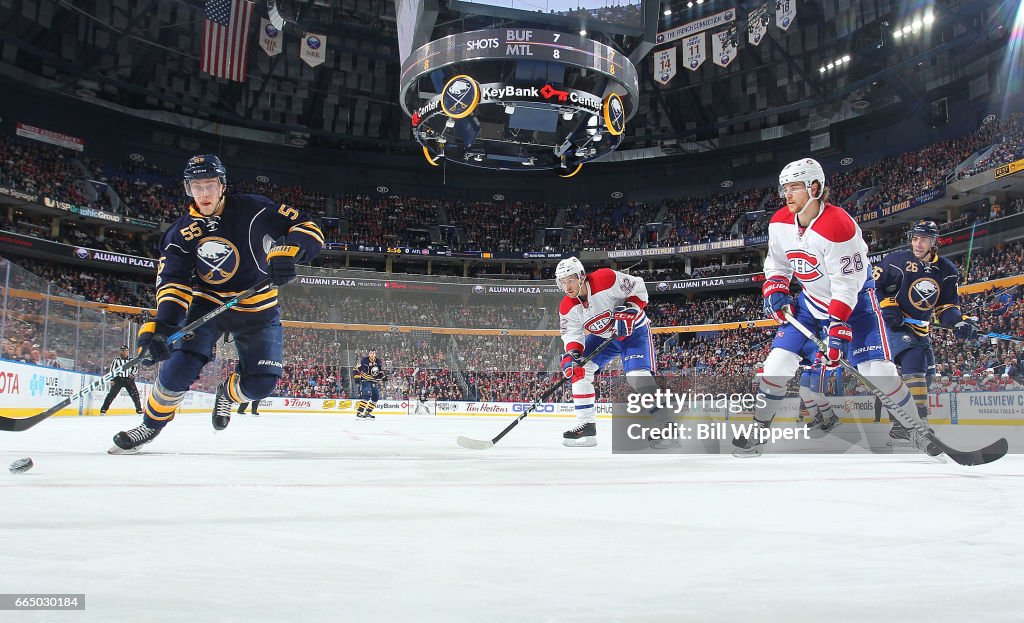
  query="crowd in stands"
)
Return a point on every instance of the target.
[{"x": 144, "y": 191}]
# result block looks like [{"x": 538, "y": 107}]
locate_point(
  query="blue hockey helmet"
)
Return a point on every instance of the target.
[
  {"x": 925, "y": 229},
  {"x": 204, "y": 167}
]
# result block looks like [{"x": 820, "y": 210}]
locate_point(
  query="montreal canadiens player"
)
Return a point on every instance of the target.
[
  {"x": 606, "y": 303},
  {"x": 820, "y": 245}
]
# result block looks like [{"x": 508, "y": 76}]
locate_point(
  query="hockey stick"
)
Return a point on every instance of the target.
[
  {"x": 480, "y": 444},
  {"x": 987, "y": 454},
  {"x": 20, "y": 424}
]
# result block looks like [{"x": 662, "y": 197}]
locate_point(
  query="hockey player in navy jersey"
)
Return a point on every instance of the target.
[
  {"x": 822, "y": 246},
  {"x": 916, "y": 284},
  {"x": 227, "y": 243},
  {"x": 369, "y": 374}
]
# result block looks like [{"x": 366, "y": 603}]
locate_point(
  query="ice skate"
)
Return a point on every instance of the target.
[
  {"x": 131, "y": 441},
  {"x": 221, "y": 408},
  {"x": 899, "y": 436},
  {"x": 748, "y": 446},
  {"x": 582, "y": 436}
]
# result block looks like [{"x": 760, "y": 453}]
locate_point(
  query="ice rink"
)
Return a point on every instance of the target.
[{"x": 324, "y": 518}]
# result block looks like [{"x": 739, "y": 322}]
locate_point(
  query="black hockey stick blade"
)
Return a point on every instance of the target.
[
  {"x": 992, "y": 452},
  {"x": 16, "y": 425}
]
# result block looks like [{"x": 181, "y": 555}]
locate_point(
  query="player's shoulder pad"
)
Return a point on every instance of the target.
[
  {"x": 783, "y": 215},
  {"x": 895, "y": 257},
  {"x": 835, "y": 225},
  {"x": 947, "y": 266},
  {"x": 567, "y": 304},
  {"x": 601, "y": 279},
  {"x": 173, "y": 233},
  {"x": 252, "y": 200}
]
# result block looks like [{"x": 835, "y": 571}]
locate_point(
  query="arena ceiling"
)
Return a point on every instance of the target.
[{"x": 144, "y": 55}]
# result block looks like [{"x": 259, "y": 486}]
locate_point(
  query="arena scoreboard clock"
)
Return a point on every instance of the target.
[{"x": 518, "y": 97}]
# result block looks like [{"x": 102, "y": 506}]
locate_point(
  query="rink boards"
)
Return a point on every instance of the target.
[{"x": 27, "y": 389}]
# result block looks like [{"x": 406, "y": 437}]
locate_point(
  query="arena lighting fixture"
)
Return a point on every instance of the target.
[
  {"x": 689, "y": 5},
  {"x": 450, "y": 123},
  {"x": 667, "y": 12},
  {"x": 583, "y": 32},
  {"x": 509, "y": 109},
  {"x": 568, "y": 115},
  {"x": 835, "y": 63},
  {"x": 700, "y": 1}
]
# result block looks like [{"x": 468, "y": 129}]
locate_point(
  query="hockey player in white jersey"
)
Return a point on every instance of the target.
[
  {"x": 606, "y": 303},
  {"x": 822, "y": 246}
]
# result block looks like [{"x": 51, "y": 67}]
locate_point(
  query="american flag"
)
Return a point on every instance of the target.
[{"x": 226, "y": 38}]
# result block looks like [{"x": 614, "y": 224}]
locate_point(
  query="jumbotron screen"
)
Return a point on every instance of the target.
[{"x": 620, "y": 16}]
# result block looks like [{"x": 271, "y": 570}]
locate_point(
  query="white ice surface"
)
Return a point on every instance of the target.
[{"x": 324, "y": 518}]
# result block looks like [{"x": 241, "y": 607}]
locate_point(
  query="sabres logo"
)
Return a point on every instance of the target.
[
  {"x": 614, "y": 114},
  {"x": 460, "y": 97},
  {"x": 217, "y": 260},
  {"x": 805, "y": 265},
  {"x": 923, "y": 293}
]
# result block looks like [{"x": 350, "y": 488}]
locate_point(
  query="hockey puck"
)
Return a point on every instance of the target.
[{"x": 21, "y": 466}]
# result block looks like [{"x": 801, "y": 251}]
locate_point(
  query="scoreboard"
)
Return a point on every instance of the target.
[{"x": 511, "y": 44}]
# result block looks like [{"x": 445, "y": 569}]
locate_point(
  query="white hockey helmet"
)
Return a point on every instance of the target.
[
  {"x": 569, "y": 267},
  {"x": 805, "y": 170}
]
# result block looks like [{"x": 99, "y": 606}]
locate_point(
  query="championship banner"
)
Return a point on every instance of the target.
[
  {"x": 696, "y": 26},
  {"x": 785, "y": 13},
  {"x": 723, "y": 47},
  {"x": 665, "y": 65},
  {"x": 270, "y": 38},
  {"x": 314, "y": 49},
  {"x": 695, "y": 51},
  {"x": 757, "y": 24},
  {"x": 48, "y": 136}
]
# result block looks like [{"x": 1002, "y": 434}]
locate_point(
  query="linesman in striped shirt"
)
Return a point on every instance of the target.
[{"x": 125, "y": 379}]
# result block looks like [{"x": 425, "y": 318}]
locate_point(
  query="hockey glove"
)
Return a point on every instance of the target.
[
  {"x": 892, "y": 316},
  {"x": 153, "y": 341},
  {"x": 837, "y": 345},
  {"x": 966, "y": 328},
  {"x": 625, "y": 317},
  {"x": 281, "y": 261},
  {"x": 572, "y": 366},
  {"x": 777, "y": 299}
]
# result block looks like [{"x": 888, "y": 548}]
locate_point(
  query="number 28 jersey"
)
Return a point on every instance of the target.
[{"x": 829, "y": 257}]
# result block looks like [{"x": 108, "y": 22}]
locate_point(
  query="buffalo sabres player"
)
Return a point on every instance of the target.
[
  {"x": 917, "y": 284},
  {"x": 370, "y": 374},
  {"x": 820, "y": 245},
  {"x": 222, "y": 247},
  {"x": 604, "y": 304}
]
